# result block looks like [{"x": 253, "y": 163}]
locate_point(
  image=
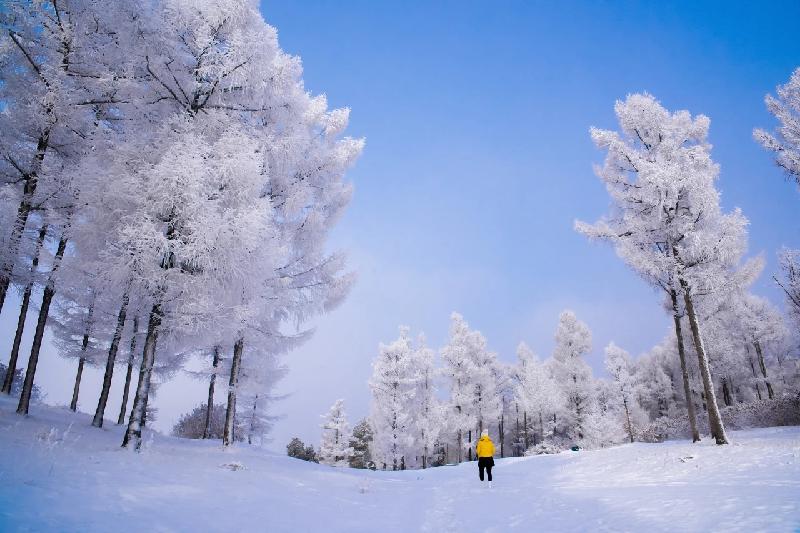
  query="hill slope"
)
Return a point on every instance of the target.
[{"x": 59, "y": 474}]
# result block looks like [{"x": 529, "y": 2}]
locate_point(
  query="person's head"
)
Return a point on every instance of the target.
[{"x": 485, "y": 433}]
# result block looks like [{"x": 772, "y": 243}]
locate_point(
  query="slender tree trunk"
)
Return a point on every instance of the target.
[
  {"x": 516, "y": 428},
  {"x": 8, "y": 383},
  {"x": 253, "y": 426},
  {"x": 541, "y": 426},
  {"x": 82, "y": 360},
  {"x": 525, "y": 429},
  {"x": 460, "y": 446},
  {"x": 469, "y": 452},
  {"x": 44, "y": 310},
  {"x": 230, "y": 413},
  {"x": 73, "y": 404},
  {"x": 755, "y": 376},
  {"x": 714, "y": 418},
  {"x": 110, "y": 361},
  {"x": 133, "y": 435},
  {"x": 726, "y": 393},
  {"x": 131, "y": 358},
  {"x": 501, "y": 430},
  {"x": 763, "y": 368},
  {"x": 628, "y": 419},
  {"x": 23, "y": 211},
  {"x": 150, "y": 393},
  {"x": 687, "y": 389},
  {"x": 210, "y": 404}
]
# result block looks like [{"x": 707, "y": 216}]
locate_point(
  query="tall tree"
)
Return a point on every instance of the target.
[
  {"x": 573, "y": 376},
  {"x": 666, "y": 220},
  {"x": 471, "y": 370},
  {"x": 618, "y": 364},
  {"x": 391, "y": 410}
]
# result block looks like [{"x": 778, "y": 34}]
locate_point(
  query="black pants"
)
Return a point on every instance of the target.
[{"x": 485, "y": 463}]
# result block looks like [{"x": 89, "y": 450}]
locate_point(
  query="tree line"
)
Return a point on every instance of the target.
[{"x": 730, "y": 354}]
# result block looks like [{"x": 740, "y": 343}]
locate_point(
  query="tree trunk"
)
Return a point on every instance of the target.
[
  {"x": 44, "y": 310},
  {"x": 726, "y": 392},
  {"x": 687, "y": 389},
  {"x": 714, "y": 418},
  {"x": 24, "y": 210},
  {"x": 516, "y": 428},
  {"x": 210, "y": 404},
  {"x": 253, "y": 426},
  {"x": 133, "y": 435},
  {"x": 502, "y": 432},
  {"x": 73, "y": 405},
  {"x": 525, "y": 429},
  {"x": 230, "y": 413},
  {"x": 110, "y": 361},
  {"x": 763, "y": 367},
  {"x": 82, "y": 360},
  {"x": 131, "y": 358},
  {"x": 8, "y": 383},
  {"x": 628, "y": 419},
  {"x": 469, "y": 452}
]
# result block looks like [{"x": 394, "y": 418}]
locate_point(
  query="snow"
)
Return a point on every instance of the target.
[{"x": 59, "y": 474}]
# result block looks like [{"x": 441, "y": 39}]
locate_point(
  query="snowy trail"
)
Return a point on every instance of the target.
[{"x": 59, "y": 474}]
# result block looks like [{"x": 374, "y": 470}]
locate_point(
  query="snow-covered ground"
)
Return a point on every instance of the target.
[{"x": 59, "y": 474}]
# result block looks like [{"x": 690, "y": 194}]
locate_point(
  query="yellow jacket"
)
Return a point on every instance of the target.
[{"x": 485, "y": 447}]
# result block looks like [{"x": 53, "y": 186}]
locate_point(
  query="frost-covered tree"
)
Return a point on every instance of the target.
[
  {"x": 537, "y": 394},
  {"x": 471, "y": 371},
  {"x": 666, "y": 221},
  {"x": 334, "y": 447},
  {"x": 785, "y": 142},
  {"x": 259, "y": 376},
  {"x": 573, "y": 376},
  {"x": 393, "y": 386},
  {"x": 790, "y": 264},
  {"x": 56, "y": 65},
  {"x": 426, "y": 410},
  {"x": 619, "y": 366}
]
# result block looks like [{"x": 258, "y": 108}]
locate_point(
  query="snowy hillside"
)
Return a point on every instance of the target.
[{"x": 59, "y": 474}]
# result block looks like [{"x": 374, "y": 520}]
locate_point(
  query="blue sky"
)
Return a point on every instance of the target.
[{"x": 478, "y": 160}]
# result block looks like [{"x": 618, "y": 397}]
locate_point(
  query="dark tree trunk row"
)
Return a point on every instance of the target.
[
  {"x": 133, "y": 435},
  {"x": 110, "y": 361},
  {"x": 131, "y": 359},
  {"x": 230, "y": 413},
  {"x": 714, "y": 417},
  {"x": 8, "y": 382},
  {"x": 33, "y": 360},
  {"x": 687, "y": 389},
  {"x": 23, "y": 212}
]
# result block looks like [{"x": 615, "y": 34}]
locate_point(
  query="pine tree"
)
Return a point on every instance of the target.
[
  {"x": 393, "y": 384},
  {"x": 334, "y": 447},
  {"x": 360, "y": 442},
  {"x": 573, "y": 376}
]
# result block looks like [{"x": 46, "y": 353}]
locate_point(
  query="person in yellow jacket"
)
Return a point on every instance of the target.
[{"x": 485, "y": 452}]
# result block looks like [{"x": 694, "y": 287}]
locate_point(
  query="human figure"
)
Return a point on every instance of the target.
[{"x": 485, "y": 452}]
